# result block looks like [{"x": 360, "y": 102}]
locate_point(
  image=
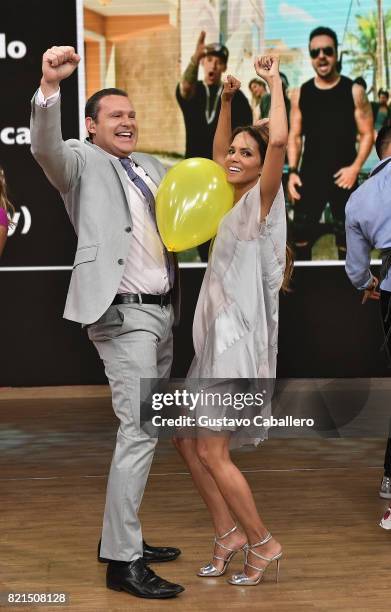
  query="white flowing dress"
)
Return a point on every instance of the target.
[{"x": 235, "y": 328}]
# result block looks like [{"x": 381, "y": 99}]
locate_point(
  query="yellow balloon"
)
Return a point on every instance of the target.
[{"x": 191, "y": 200}]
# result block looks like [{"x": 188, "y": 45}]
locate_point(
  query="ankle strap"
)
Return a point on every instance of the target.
[
  {"x": 267, "y": 538},
  {"x": 234, "y": 528}
]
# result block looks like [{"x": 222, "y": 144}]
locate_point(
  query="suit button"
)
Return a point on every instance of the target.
[
  {"x": 128, "y": 229},
  {"x": 121, "y": 262}
]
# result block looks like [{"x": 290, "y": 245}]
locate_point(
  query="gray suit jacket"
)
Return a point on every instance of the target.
[{"x": 95, "y": 194}]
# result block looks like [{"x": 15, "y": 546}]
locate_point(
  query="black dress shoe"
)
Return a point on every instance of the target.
[
  {"x": 138, "y": 579},
  {"x": 156, "y": 554},
  {"x": 151, "y": 554}
]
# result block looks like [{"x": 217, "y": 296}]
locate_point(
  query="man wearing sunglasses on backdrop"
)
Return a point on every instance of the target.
[
  {"x": 200, "y": 103},
  {"x": 328, "y": 111}
]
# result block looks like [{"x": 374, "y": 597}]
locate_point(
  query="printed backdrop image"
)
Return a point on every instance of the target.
[{"x": 144, "y": 47}]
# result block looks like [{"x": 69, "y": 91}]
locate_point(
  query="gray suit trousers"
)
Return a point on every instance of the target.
[{"x": 134, "y": 341}]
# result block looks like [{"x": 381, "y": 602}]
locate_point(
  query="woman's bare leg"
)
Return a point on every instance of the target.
[
  {"x": 213, "y": 452},
  {"x": 222, "y": 517}
]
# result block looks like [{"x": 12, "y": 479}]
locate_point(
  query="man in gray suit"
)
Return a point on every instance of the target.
[{"x": 124, "y": 288}]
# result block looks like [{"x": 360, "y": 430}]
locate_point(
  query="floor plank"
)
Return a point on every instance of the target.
[{"x": 319, "y": 497}]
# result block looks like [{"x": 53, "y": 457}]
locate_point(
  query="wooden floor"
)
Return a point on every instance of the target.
[{"x": 318, "y": 496}]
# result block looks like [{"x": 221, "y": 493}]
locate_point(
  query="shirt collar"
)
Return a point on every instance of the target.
[
  {"x": 381, "y": 161},
  {"x": 113, "y": 157}
]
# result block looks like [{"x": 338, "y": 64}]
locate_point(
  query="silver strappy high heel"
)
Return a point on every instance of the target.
[
  {"x": 244, "y": 580},
  {"x": 210, "y": 570}
]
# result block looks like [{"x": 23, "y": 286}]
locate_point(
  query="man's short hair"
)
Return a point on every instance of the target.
[
  {"x": 383, "y": 140},
  {"x": 323, "y": 31},
  {"x": 92, "y": 104}
]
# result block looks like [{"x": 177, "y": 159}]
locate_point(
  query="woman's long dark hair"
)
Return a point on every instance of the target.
[{"x": 260, "y": 133}]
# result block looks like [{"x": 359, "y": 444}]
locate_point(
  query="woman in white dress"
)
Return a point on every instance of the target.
[{"x": 236, "y": 321}]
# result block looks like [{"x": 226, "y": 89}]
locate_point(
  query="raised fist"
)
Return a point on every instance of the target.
[
  {"x": 266, "y": 66},
  {"x": 58, "y": 63},
  {"x": 231, "y": 86}
]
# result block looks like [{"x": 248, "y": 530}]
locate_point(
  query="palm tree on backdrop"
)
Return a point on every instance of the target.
[{"x": 363, "y": 45}]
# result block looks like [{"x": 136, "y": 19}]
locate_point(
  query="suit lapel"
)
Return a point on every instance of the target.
[
  {"x": 141, "y": 161},
  {"x": 119, "y": 170},
  {"x": 122, "y": 177}
]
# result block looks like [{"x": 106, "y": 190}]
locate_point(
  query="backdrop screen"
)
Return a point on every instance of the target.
[{"x": 144, "y": 48}]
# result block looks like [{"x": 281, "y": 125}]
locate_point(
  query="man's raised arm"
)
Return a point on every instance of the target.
[
  {"x": 189, "y": 77},
  {"x": 60, "y": 162}
]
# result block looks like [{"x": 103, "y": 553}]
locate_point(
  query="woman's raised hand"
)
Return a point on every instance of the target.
[
  {"x": 231, "y": 86},
  {"x": 266, "y": 67}
]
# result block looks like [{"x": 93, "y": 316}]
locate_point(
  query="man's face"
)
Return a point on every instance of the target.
[
  {"x": 213, "y": 69},
  {"x": 115, "y": 129},
  {"x": 325, "y": 62}
]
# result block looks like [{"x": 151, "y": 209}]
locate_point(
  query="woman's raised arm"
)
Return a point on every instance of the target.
[
  {"x": 267, "y": 68},
  {"x": 222, "y": 138}
]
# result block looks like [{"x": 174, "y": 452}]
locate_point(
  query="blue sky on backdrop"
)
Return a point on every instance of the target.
[{"x": 293, "y": 20}]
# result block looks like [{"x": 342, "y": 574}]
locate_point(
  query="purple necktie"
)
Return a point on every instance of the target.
[
  {"x": 148, "y": 195},
  {"x": 138, "y": 181}
]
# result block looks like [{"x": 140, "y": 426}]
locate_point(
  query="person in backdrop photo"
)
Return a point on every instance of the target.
[
  {"x": 266, "y": 99},
  {"x": 7, "y": 211},
  {"x": 235, "y": 328},
  {"x": 258, "y": 90},
  {"x": 123, "y": 289},
  {"x": 381, "y": 110},
  {"x": 368, "y": 226},
  {"x": 200, "y": 103},
  {"x": 327, "y": 113}
]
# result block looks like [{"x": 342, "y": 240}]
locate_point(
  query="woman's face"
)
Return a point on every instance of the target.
[
  {"x": 243, "y": 162},
  {"x": 257, "y": 89}
]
